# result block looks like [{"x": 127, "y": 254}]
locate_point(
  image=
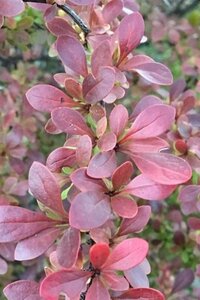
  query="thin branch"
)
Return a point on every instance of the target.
[{"x": 68, "y": 10}]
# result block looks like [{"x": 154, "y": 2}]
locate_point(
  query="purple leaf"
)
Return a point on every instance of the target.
[
  {"x": 89, "y": 210},
  {"x": 137, "y": 223},
  {"x": 11, "y": 8},
  {"x": 72, "y": 54},
  {"x": 118, "y": 119},
  {"x": 45, "y": 98},
  {"x": 36, "y": 245},
  {"x": 21, "y": 290},
  {"x": 45, "y": 188},
  {"x": 102, "y": 165},
  {"x": 69, "y": 282},
  {"x": 183, "y": 280},
  {"x": 97, "y": 88},
  {"x": 68, "y": 248},
  {"x": 70, "y": 121},
  {"x": 19, "y": 223}
]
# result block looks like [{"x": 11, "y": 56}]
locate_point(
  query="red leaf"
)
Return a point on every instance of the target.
[
  {"x": 59, "y": 158},
  {"x": 153, "y": 121},
  {"x": 97, "y": 291},
  {"x": 163, "y": 168},
  {"x": 67, "y": 250},
  {"x": 17, "y": 223},
  {"x": 118, "y": 119},
  {"x": 143, "y": 187},
  {"x": 121, "y": 175},
  {"x": 97, "y": 88},
  {"x": 23, "y": 289},
  {"x": 45, "y": 188},
  {"x": 137, "y": 223},
  {"x": 127, "y": 254},
  {"x": 72, "y": 54},
  {"x": 102, "y": 165},
  {"x": 101, "y": 57},
  {"x": 99, "y": 254},
  {"x": 111, "y": 10},
  {"x": 130, "y": 33},
  {"x": 69, "y": 282},
  {"x": 11, "y": 8},
  {"x": 123, "y": 206},
  {"x": 59, "y": 26},
  {"x": 70, "y": 121},
  {"x": 85, "y": 183},
  {"x": 89, "y": 210},
  {"x": 142, "y": 294},
  {"x": 36, "y": 245},
  {"x": 45, "y": 98}
]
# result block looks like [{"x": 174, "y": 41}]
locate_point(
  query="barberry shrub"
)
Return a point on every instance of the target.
[{"x": 89, "y": 191}]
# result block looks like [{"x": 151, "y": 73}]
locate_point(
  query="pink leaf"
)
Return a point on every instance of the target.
[
  {"x": 19, "y": 223},
  {"x": 155, "y": 73},
  {"x": 163, "y": 168},
  {"x": 45, "y": 98},
  {"x": 123, "y": 206},
  {"x": 101, "y": 57},
  {"x": 112, "y": 9},
  {"x": 118, "y": 119},
  {"x": 72, "y": 54},
  {"x": 135, "y": 61},
  {"x": 145, "y": 102},
  {"x": 143, "y": 187},
  {"x": 36, "y": 245},
  {"x": 97, "y": 291},
  {"x": 97, "y": 88},
  {"x": 102, "y": 165},
  {"x": 99, "y": 254},
  {"x": 68, "y": 248},
  {"x": 69, "y": 282},
  {"x": 127, "y": 254},
  {"x": 73, "y": 88},
  {"x": 83, "y": 151},
  {"x": 130, "y": 33},
  {"x": 59, "y": 158},
  {"x": 11, "y": 8},
  {"x": 153, "y": 121},
  {"x": 89, "y": 210},
  {"x": 137, "y": 223},
  {"x": 194, "y": 223},
  {"x": 59, "y": 26},
  {"x": 45, "y": 188},
  {"x": 141, "y": 294},
  {"x": 114, "y": 281},
  {"x": 121, "y": 175},
  {"x": 23, "y": 289},
  {"x": 189, "y": 197},
  {"x": 70, "y": 121},
  {"x": 85, "y": 183},
  {"x": 107, "y": 142}
]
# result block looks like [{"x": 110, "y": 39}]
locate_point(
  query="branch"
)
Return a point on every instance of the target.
[{"x": 68, "y": 10}]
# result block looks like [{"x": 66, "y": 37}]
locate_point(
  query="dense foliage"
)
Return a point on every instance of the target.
[{"x": 91, "y": 152}]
